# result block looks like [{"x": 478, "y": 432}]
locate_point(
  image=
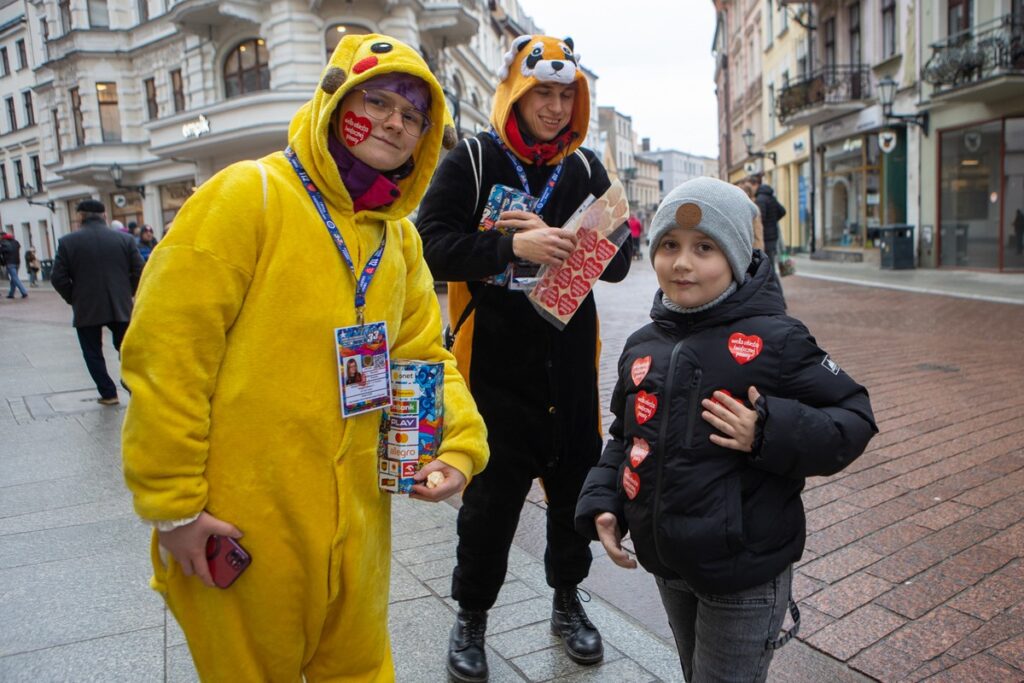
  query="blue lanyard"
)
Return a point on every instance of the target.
[
  {"x": 362, "y": 281},
  {"x": 549, "y": 187}
]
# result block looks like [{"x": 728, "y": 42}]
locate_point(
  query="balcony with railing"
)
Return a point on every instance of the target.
[
  {"x": 828, "y": 92},
  {"x": 982, "y": 64}
]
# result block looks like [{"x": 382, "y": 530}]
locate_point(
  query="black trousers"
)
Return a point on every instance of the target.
[
  {"x": 91, "y": 340},
  {"x": 488, "y": 518}
]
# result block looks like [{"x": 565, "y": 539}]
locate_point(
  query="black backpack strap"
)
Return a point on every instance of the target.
[{"x": 449, "y": 332}]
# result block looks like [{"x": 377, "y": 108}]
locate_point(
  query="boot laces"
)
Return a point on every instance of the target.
[
  {"x": 573, "y": 608},
  {"x": 475, "y": 628}
]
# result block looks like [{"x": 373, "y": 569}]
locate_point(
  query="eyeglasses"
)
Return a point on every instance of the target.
[{"x": 380, "y": 107}]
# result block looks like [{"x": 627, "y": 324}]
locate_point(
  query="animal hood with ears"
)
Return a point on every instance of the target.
[{"x": 536, "y": 59}]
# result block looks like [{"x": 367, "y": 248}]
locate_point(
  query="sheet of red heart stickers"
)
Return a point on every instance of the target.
[{"x": 561, "y": 289}]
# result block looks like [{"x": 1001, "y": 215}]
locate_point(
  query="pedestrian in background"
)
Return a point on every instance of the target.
[
  {"x": 722, "y": 407},
  {"x": 747, "y": 185},
  {"x": 10, "y": 253},
  {"x": 636, "y": 229},
  {"x": 771, "y": 213},
  {"x": 97, "y": 270},
  {"x": 217, "y": 442},
  {"x": 535, "y": 385},
  {"x": 147, "y": 241},
  {"x": 32, "y": 265}
]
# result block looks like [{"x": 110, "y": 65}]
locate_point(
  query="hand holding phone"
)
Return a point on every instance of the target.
[
  {"x": 188, "y": 544},
  {"x": 227, "y": 560}
]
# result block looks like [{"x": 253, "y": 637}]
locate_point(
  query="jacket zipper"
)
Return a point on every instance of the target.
[
  {"x": 660, "y": 448},
  {"x": 694, "y": 395}
]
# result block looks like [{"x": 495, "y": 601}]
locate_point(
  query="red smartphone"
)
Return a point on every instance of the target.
[{"x": 227, "y": 560}]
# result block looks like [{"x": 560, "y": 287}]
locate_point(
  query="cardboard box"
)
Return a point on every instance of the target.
[{"x": 411, "y": 429}]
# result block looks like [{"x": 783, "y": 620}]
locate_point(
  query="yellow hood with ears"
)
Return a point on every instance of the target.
[
  {"x": 357, "y": 59},
  {"x": 541, "y": 59}
]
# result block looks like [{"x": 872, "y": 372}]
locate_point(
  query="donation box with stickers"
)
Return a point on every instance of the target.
[{"x": 410, "y": 430}]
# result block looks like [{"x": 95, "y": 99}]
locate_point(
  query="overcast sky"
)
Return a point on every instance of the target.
[{"x": 653, "y": 61}]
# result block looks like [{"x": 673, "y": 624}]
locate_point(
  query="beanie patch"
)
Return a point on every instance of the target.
[{"x": 688, "y": 215}]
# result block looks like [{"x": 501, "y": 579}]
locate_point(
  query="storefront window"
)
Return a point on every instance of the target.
[
  {"x": 1013, "y": 193},
  {"x": 172, "y": 197},
  {"x": 970, "y": 196},
  {"x": 126, "y": 206},
  {"x": 853, "y": 201}
]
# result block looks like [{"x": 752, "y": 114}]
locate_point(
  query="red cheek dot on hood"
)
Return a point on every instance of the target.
[{"x": 364, "y": 64}]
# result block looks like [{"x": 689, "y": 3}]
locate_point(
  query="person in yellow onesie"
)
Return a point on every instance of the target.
[{"x": 234, "y": 423}]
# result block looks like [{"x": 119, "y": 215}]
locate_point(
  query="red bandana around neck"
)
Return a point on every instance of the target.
[{"x": 539, "y": 152}]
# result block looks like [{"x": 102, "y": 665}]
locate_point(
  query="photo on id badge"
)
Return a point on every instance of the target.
[{"x": 364, "y": 372}]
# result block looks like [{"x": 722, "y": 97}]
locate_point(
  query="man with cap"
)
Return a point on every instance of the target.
[
  {"x": 535, "y": 385},
  {"x": 96, "y": 271}
]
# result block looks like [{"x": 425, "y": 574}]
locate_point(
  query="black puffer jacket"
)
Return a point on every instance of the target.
[
  {"x": 535, "y": 385},
  {"x": 721, "y": 519}
]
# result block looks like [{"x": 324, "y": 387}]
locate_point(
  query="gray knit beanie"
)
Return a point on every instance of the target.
[{"x": 718, "y": 209}]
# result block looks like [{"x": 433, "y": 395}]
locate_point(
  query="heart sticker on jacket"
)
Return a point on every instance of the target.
[
  {"x": 639, "y": 369},
  {"x": 630, "y": 482},
  {"x": 355, "y": 128},
  {"x": 745, "y": 348},
  {"x": 645, "y": 407},
  {"x": 638, "y": 453}
]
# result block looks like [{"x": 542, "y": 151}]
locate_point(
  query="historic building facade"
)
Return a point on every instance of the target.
[{"x": 135, "y": 102}]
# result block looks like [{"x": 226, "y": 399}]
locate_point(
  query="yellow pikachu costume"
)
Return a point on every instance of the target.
[{"x": 231, "y": 361}]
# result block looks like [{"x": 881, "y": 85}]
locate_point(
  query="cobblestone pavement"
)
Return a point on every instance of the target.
[{"x": 914, "y": 567}]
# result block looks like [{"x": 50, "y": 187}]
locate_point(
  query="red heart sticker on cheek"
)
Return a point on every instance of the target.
[
  {"x": 639, "y": 452},
  {"x": 645, "y": 407},
  {"x": 630, "y": 482},
  {"x": 355, "y": 128}
]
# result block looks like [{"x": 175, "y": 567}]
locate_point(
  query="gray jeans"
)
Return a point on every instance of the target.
[{"x": 727, "y": 638}]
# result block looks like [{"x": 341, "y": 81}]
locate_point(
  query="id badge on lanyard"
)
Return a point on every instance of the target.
[{"x": 364, "y": 363}]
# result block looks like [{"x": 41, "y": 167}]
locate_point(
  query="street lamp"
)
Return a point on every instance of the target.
[
  {"x": 886, "y": 97},
  {"x": 748, "y": 140},
  {"x": 32, "y": 192},
  {"x": 117, "y": 173}
]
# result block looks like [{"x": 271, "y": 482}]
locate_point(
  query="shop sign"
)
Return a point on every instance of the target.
[
  {"x": 196, "y": 128},
  {"x": 887, "y": 140}
]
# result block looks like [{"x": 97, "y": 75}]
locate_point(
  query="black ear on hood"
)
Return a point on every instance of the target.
[
  {"x": 568, "y": 41},
  {"x": 520, "y": 42}
]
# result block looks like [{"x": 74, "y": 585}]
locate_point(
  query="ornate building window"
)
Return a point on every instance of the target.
[
  {"x": 335, "y": 32},
  {"x": 247, "y": 69}
]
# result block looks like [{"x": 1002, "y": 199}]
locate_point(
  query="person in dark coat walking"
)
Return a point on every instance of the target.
[
  {"x": 10, "y": 254},
  {"x": 535, "y": 385},
  {"x": 97, "y": 270},
  {"x": 723, "y": 405},
  {"x": 771, "y": 213}
]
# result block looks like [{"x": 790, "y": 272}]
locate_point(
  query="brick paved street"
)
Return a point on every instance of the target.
[
  {"x": 915, "y": 556},
  {"x": 914, "y": 567}
]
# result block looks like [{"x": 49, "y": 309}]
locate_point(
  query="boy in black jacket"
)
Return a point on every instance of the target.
[{"x": 707, "y": 484}]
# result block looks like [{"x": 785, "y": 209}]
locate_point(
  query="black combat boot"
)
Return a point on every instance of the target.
[
  {"x": 570, "y": 623},
  {"x": 467, "y": 661}
]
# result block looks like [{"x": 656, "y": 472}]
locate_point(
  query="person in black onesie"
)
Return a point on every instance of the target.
[{"x": 535, "y": 385}]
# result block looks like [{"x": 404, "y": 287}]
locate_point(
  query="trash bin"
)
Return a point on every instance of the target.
[
  {"x": 896, "y": 244},
  {"x": 46, "y": 266}
]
